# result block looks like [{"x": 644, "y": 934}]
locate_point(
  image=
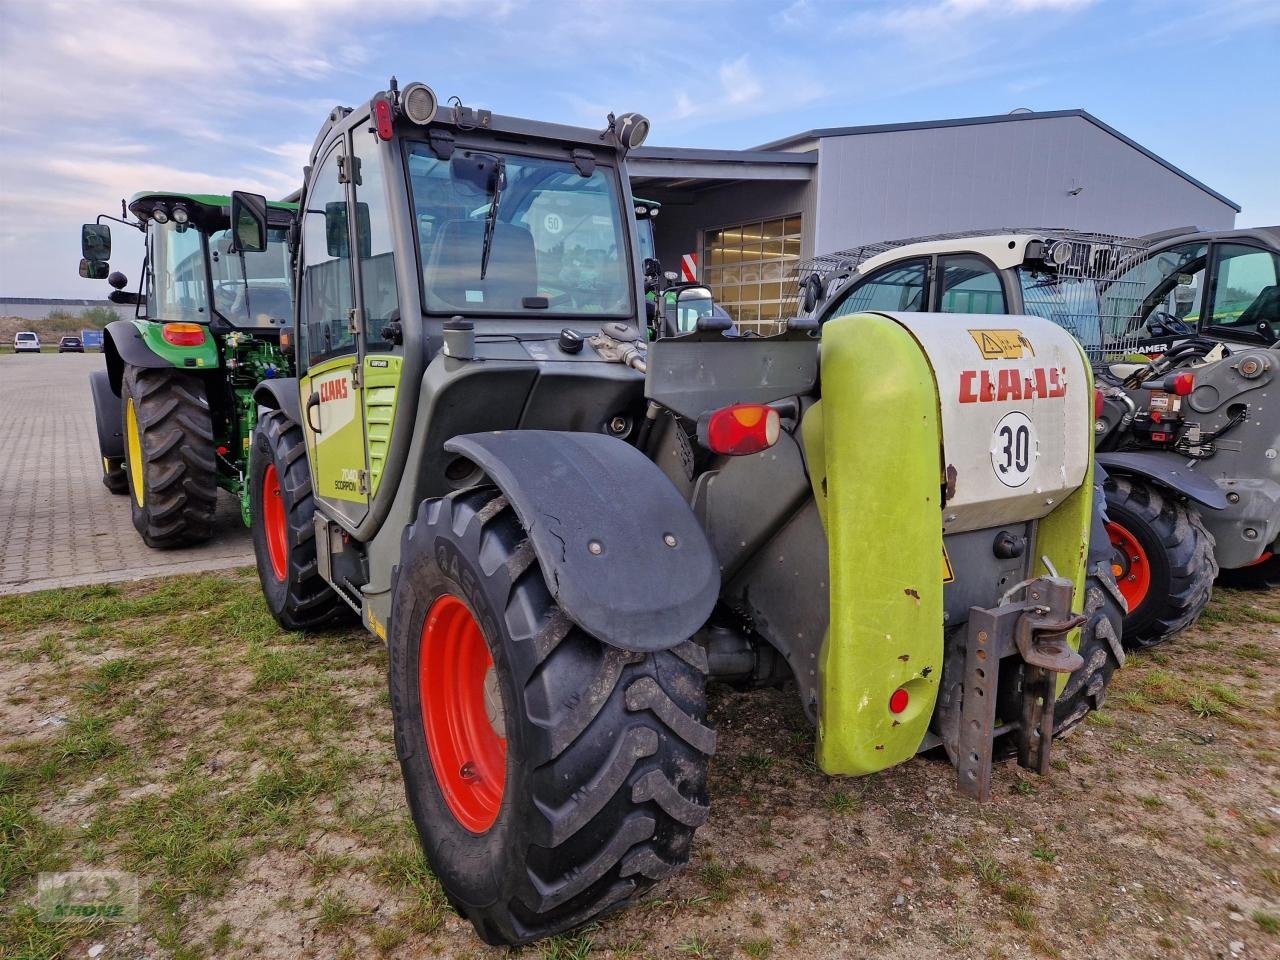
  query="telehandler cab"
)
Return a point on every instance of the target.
[
  {"x": 563, "y": 530},
  {"x": 174, "y": 406}
]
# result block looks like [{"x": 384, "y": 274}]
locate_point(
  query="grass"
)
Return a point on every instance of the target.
[{"x": 195, "y": 744}]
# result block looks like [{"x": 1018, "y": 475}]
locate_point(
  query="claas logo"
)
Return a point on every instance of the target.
[
  {"x": 333, "y": 390},
  {"x": 1002, "y": 344},
  {"x": 1011, "y": 383}
]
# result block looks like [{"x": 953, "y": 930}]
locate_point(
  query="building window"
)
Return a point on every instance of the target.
[{"x": 748, "y": 266}]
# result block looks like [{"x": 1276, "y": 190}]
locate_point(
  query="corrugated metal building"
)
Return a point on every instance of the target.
[{"x": 749, "y": 215}]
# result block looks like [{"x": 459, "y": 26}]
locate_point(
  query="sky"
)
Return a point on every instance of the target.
[{"x": 103, "y": 99}]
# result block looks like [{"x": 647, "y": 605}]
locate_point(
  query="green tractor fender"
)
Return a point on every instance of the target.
[
  {"x": 620, "y": 549},
  {"x": 142, "y": 343}
]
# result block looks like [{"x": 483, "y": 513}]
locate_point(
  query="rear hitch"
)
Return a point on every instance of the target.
[{"x": 1032, "y": 627}]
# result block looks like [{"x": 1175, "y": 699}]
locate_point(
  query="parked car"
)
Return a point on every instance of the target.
[
  {"x": 70, "y": 345},
  {"x": 24, "y": 341}
]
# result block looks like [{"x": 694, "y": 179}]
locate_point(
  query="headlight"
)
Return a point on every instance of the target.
[
  {"x": 159, "y": 215},
  {"x": 180, "y": 214}
]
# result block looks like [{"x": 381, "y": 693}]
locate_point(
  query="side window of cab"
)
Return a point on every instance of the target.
[
  {"x": 897, "y": 287},
  {"x": 325, "y": 285}
]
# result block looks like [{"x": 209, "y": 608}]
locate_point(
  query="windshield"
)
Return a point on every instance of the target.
[
  {"x": 252, "y": 289},
  {"x": 556, "y": 246},
  {"x": 177, "y": 290},
  {"x": 644, "y": 238}
]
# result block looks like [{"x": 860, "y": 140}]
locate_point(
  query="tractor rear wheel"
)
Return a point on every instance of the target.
[
  {"x": 284, "y": 539},
  {"x": 1163, "y": 560},
  {"x": 551, "y": 777},
  {"x": 169, "y": 456}
]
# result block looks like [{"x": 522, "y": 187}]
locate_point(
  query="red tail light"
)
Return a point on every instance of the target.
[
  {"x": 1098, "y": 403},
  {"x": 382, "y": 117},
  {"x": 740, "y": 429},
  {"x": 1184, "y": 383},
  {"x": 898, "y": 700},
  {"x": 183, "y": 334}
]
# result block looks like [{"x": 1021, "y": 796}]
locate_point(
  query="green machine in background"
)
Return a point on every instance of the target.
[{"x": 174, "y": 405}]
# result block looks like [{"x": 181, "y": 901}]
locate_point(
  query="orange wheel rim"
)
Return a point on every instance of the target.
[
  {"x": 1130, "y": 565},
  {"x": 461, "y": 714},
  {"x": 274, "y": 522}
]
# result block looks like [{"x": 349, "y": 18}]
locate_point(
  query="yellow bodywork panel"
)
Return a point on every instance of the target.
[
  {"x": 1063, "y": 537},
  {"x": 876, "y": 473}
]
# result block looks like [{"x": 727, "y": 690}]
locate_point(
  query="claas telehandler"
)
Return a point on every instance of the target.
[{"x": 563, "y": 530}]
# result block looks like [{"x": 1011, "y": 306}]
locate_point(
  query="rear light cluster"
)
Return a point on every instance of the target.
[
  {"x": 740, "y": 429},
  {"x": 1182, "y": 384},
  {"x": 183, "y": 334}
]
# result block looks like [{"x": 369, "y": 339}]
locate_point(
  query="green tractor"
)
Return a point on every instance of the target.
[
  {"x": 174, "y": 406},
  {"x": 672, "y": 307},
  {"x": 563, "y": 530}
]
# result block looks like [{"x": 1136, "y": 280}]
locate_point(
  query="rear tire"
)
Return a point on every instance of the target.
[
  {"x": 169, "y": 456},
  {"x": 1164, "y": 561},
  {"x": 284, "y": 537},
  {"x": 604, "y": 776}
]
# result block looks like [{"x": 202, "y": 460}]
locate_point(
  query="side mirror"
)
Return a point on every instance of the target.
[
  {"x": 95, "y": 241},
  {"x": 335, "y": 229},
  {"x": 118, "y": 280},
  {"x": 94, "y": 269},
  {"x": 811, "y": 292},
  {"x": 248, "y": 222}
]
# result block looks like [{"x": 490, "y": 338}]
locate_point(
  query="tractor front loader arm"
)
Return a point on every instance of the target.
[{"x": 621, "y": 551}]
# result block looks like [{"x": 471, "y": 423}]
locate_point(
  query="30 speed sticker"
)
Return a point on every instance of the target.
[{"x": 1013, "y": 449}]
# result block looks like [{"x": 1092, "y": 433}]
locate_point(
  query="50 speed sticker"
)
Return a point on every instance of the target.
[{"x": 1014, "y": 449}]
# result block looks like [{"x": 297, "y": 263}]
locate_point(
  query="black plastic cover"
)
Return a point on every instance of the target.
[
  {"x": 602, "y": 519},
  {"x": 1168, "y": 470}
]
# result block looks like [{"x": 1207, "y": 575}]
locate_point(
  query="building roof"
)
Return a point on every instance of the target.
[{"x": 822, "y": 132}]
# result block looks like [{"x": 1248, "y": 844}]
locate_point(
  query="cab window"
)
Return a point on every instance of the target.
[
  {"x": 899, "y": 286},
  {"x": 377, "y": 264},
  {"x": 325, "y": 288},
  {"x": 970, "y": 285},
  {"x": 1245, "y": 289}
]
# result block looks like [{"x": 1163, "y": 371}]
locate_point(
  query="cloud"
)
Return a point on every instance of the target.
[{"x": 920, "y": 19}]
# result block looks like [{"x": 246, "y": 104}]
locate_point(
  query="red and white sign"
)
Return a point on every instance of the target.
[{"x": 689, "y": 268}]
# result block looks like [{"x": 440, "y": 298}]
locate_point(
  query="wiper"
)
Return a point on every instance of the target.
[{"x": 491, "y": 218}]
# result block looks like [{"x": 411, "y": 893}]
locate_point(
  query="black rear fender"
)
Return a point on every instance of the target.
[{"x": 621, "y": 551}]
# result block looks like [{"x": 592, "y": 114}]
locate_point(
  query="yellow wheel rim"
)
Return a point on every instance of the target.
[{"x": 134, "y": 439}]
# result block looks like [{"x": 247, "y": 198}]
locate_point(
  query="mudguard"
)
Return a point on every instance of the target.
[
  {"x": 621, "y": 551},
  {"x": 280, "y": 394},
  {"x": 139, "y": 343},
  {"x": 109, "y": 413},
  {"x": 1166, "y": 471}
]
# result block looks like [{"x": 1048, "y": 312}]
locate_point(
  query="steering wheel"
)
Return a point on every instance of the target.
[{"x": 1169, "y": 322}]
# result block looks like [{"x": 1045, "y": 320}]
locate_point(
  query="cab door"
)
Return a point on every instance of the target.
[{"x": 330, "y": 344}]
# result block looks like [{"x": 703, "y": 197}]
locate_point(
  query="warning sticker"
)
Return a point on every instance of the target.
[
  {"x": 948, "y": 575},
  {"x": 1002, "y": 344}
]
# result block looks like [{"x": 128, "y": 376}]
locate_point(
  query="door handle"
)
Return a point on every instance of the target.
[{"x": 312, "y": 403}]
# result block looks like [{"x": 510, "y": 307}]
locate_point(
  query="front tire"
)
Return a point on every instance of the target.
[
  {"x": 1163, "y": 561},
  {"x": 601, "y": 777},
  {"x": 169, "y": 456},
  {"x": 281, "y": 507}
]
